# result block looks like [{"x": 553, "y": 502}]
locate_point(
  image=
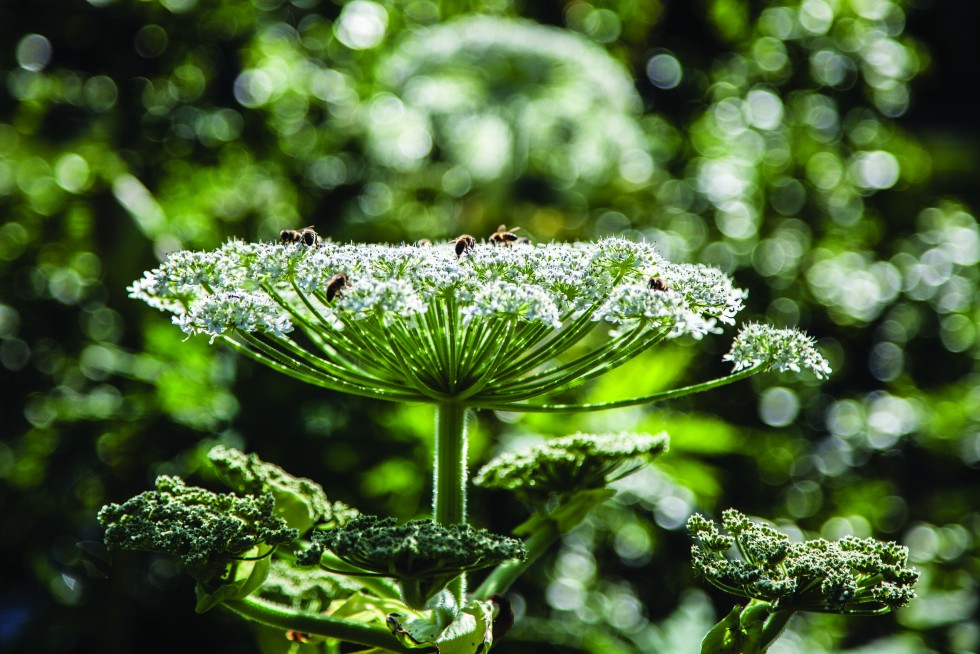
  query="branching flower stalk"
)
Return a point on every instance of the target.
[{"x": 462, "y": 328}]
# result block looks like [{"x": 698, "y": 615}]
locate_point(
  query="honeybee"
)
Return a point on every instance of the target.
[
  {"x": 299, "y": 636},
  {"x": 464, "y": 243},
  {"x": 502, "y": 236},
  {"x": 336, "y": 285},
  {"x": 657, "y": 284},
  {"x": 307, "y": 236}
]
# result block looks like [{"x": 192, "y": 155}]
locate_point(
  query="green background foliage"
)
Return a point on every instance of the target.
[{"x": 824, "y": 152}]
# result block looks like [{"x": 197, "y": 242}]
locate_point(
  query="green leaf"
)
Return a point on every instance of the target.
[
  {"x": 301, "y": 502},
  {"x": 471, "y": 632},
  {"x": 362, "y": 607},
  {"x": 724, "y": 637}
]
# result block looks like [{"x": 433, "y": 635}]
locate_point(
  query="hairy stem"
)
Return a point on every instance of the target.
[
  {"x": 317, "y": 624},
  {"x": 774, "y": 626},
  {"x": 449, "y": 470}
]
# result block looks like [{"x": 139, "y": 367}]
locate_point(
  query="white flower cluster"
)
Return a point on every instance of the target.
[
  {"x": 388, "y": 298},
  {"x": 782, "y": 349},
  {"x": 629, "y": 304},
  {"x": 500, "y": 298},
  {"x": 218, "y": 313},
  {"x": 174, "y": 285},
  {"x": 547, "y": 284}
]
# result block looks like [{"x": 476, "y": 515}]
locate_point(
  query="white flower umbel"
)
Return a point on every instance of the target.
[
  {"x": 490, "y": 327},
  {"x": 782, "y": 349}
]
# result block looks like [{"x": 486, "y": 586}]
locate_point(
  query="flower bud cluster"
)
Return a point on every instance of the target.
[
  {"x": 570, "y": 464},
  {"x": 850, "y": 576},
  {"x": 206, "y": 530},
  {"x": 421, "y": 555}
]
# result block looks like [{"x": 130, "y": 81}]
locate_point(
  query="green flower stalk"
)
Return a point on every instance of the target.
[
  {"x": 852, "y": 576},
  {"x": 563, "y": 479},
  {"x": 422, "y": 556}
]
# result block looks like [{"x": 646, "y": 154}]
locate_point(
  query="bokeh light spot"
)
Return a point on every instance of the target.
[
  {"x": 841, "y": 526},
  {"x": 636, "y": 166},
  {"x": 764, "y": 109},
  {"x": 151, "y": 41},
  {"x": 877, "y": 169},
  {"x": 824, "y": 170},
  {"x": 778, "y": 406},
  {"x": 816, "y": 16},
  {"x": 456, "y": 181},
  {"x": 803, "y": 499},
  {"x": 778, "y": 22},
  {"x": 886, "y": 361},
  {"x": 72, "y": 173},
  {"x": 664, "y": 71},
  {"x": 830, "y": 68},
  {"x": 770, "y": 54},
  {"x": 253, "y": 88},
  {"x": 958, "y": 333},
  {"x": 14, "y": 354},
  {"x": 361, "y": 25},
  {"x": 100, "y": 93},
  {"x": 923, "y": 543},
  {"x": 787, "y": 196},
  {"x": 328, "y": 172},
  {"x": 33, "y": 52},
  {"x": 179, "y": 6}
]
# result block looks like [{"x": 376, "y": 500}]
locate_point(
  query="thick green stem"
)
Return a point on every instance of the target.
[
  {"x": 287, "y": 619},
  {"x": 746, "y": 630},
  {"x": 774, "y": 627},
  {"x": 501, "y": 578},
  {"x": 449, "y": 498},
  {"x": 449, "y": 483}
]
